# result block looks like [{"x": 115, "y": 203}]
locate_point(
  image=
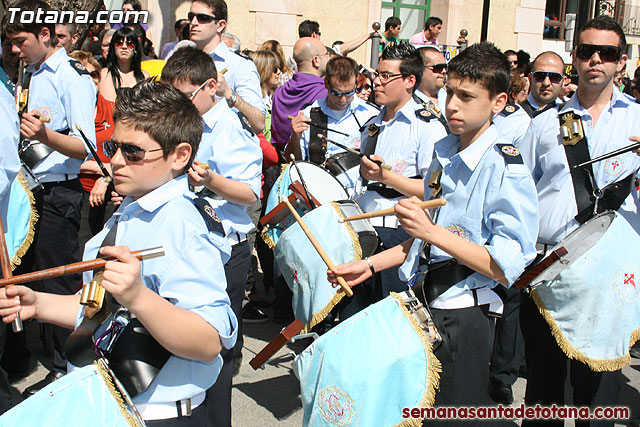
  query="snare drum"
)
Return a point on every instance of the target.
[
  {"x": 346, "y": 168},
  {"x": 364, "y": 371},
  {"x": 590, "y": 297},
  {"x": 304, "y": 270},
  {"x": 85, "y": 397}
]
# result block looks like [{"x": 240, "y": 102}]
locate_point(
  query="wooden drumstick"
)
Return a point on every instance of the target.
[
  {"x": 357, "y": 153},
  {"x": 435, "y": 203},
  {"x": 7, "y": 274},
  {"x": 316, "y": 245}
]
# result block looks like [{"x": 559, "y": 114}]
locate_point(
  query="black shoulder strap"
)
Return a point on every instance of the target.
[
  {"x": 509, "y": 109},
  {"x": 76, "y": 65},
  {"x": 543, "y": 109},
  {"x": 510, "y": 153},
  {"x": 527, "y": 107},
  {"x": 370, "y": 147},
  {"x": 245, "y": 123},
  {"x": 433, "y": 109},
  {"x": 317, "y": 147},
  {"x": 209, "y": 215}
]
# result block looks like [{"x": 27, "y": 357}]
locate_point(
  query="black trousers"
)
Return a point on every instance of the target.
[
  {"x": 378, "y": 287},
  {"x": 508, "y": 346},
  {"x": 547, "y": 369},
  {"x": 5, "y": 391},
  {"x": 220, "y": 393},
  {"x": 465, "y": 351}
]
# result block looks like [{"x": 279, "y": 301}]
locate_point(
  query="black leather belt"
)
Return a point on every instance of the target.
[
  {"x": 439, "y": 278},
  {"x": 384, "y": 191}
]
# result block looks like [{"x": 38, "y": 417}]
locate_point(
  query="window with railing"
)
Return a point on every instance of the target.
[
  {"x": 412, "y": 13},
  {"x": 631, "y": 20},
  {"x": 555, "y": 18}
]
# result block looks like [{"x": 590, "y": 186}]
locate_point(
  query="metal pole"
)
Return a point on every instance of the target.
[
  {"x": 375, "y": 45},
  {"x": 485, "y": 20}
]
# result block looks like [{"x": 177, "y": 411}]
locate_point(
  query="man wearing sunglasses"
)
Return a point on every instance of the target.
[
  {"x": 609, "y": 121},
  {"x": 431, "y": 93},
  {"x": 62, "y": 95},
  {"x": 240, "y": 85},
  {"x": 340, "y": 111},
  {"x": 546, "y": 79}
]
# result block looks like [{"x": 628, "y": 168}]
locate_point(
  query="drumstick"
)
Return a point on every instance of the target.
[
  {"x": 224, "y": 70},
  {"x": 315, "y": 125},
  {"x": 608, "y": 155},
  {"x": 435, "y": 203},
  {"x": 202, "y": 165},
  {"x": 304, "y": 184},
  {"x": 7, "y": 274},
  {"x": 356, "y": 152},
  {"x": 316, "y": 245},
  {"x": 78, "y": 267},
  {"x": 106, "y": 174}
]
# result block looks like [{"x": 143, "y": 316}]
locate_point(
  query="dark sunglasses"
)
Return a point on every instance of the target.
[
  {"x": 130, "y": 45},
  {"x": 131, "y": 152},
  {"x": 606, "y": 52},
  {"x": 361, "y": 88},
  {"x": 202, "y": 18},
  {"x": 437, "y": 68},
  {"x": 340, "y": 94},
  {"x": 95, "y": 74},
  {"x": 554, "y": 78}
]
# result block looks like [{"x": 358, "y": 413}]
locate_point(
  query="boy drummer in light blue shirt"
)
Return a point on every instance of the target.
[
  {"x": 180, "y": 298},
  {"x": 483, "y": 237}
]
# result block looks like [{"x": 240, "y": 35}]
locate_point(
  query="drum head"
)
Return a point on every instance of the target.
[
  {"x": 577, "y": 243},
  {"x": 320, "y": 183}
]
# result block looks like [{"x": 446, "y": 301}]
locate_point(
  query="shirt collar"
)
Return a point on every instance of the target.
[
  {"x": 407, "y": 113},
  {"x": 211, "y": 117},
  {"x": 163, "y": 194},
  {"x": 53, "y": 62},
  {"x": 447, "y": 148},
  {"x": 221, "y": 51},
  {"x": 618, "y": 99},
  {"x": 532, "y": 101}
]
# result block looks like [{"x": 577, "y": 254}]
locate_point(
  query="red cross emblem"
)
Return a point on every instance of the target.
[
  {"x": 615, "y": 164},
  {"x": 629, "y": 279},
  {"x": 294, "y": 273}
]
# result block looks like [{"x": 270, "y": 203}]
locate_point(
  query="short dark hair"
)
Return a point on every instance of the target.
[
  {"x": 135, "y": 4},
  {"x": 17, "y": 26},
  {"x": 432, "y": 21},
  {"x": 218, "y": 7},
  {"x": 189, "y": 64},
  {"x": 162, "y": 112},
  {"x": 604, "y": 22},
  {"x": 179, "y": 23},
  {"x": 510, "y": 52},
  {"x": 307, "y": 28},
  {"x": 411, "y": 62},
  {"x": 392, "y": 21},
  {"x": 485, "y": 63},
  {"x": 342, "y": 69}
]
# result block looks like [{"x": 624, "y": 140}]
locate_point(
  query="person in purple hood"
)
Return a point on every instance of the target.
[{"x": 305, "y": 86}]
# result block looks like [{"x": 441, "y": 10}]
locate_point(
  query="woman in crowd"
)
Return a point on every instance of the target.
[
  {"x": 519, "y": 87},
  {"x": 122, "y": 67},
  {"x": 364, "y": 86},
  {"x": 286, "y": 72}
]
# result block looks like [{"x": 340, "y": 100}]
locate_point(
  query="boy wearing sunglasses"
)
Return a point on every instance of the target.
[
  {"x": 61, "y": 95},
  {"x": 178, "y": 298},
  {"x": 231, "y": 183},
  {"x": 609, "y": 121},
  {"x": 341, "y": 111},
  {"x": 546, "y": 79}
]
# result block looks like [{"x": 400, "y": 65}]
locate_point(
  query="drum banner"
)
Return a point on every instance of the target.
[
  {"x": 303, "y": 269},
  {"x": 279, "y": 192},
  {"x": 367, "y": 369},
  {"x": 21, "y": 220},
  {"x": 84, "y": 397},
  {"x": 593, "y": 306}
]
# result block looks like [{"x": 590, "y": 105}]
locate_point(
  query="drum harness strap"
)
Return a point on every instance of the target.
[
  {"x": 590, "y": 199},
  {"x": 431, "y": 106},
  {"x": 317, "y": 147}
]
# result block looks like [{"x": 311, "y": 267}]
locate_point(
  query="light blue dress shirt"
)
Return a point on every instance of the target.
[
  {"x": 490, "y": 202},
  {"x": 233, "y": 152},
  {"x": 9, "y": 161},
  {"x": 69, "y": 98},
  {"x": 241, "y": 76},
  {"x": 190, "y": 275},
  {"x": 348, "y": 121},
  {"x": 512, "y": 126},
  {"x": 544, "y": 153},
  {"x": 406, "y": 144}
]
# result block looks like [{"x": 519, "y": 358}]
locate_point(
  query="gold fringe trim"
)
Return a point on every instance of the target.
[
  {"x": 598, "y": 365},
  {"x": 434, "y": 367},
  {"x": 337, "y": 297},
  {"x": 31, "y": 227},
  {"x": 266, "y": 238},
  {"x": 106, "y": 376}
]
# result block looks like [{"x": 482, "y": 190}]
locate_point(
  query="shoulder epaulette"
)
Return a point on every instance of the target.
[
  {"x": 425, "y": 115},
  {"x": 509, "y": 109},
  {"x": 242, "y": 55},
  {"x": 76, "y": 65},
  {"x": 209, "y": 215},
  {"x": 510, "y": 153},
  {"x": 245, "y": 123}
]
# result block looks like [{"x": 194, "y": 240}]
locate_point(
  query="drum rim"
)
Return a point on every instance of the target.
[{"x": 303, "y": 162}]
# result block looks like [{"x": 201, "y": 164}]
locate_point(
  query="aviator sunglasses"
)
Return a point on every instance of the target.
[
  {"x": 340, "y": 94},
  {"x": 130, "y": 45},
  {"x": 607, "y": 53},
  {"x": 437, "y": 68},
  {"x": 203, "y": 18},
  {"x": 131, "y": 152},
  {"x": 554, "y": 78}
]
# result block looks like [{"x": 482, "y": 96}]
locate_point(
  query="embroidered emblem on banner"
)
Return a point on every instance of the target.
[
  {"x": 510, "y": 150},
  {"x": 614, "y": 166},
  {"x": 298, "y": 276},
  {"x": 457, "y": 230},
  {"x": 336, "y": 406},
  {"x": 625, "y": 283}
]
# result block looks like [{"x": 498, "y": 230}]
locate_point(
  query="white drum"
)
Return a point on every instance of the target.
[{"x": 320, "y": 183}]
